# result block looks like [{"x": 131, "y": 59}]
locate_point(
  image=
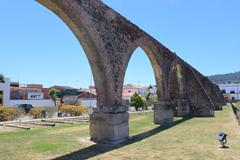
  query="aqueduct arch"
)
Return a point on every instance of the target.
[{"x": 109, "y": 41}]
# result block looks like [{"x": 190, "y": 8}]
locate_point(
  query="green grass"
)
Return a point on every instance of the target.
[
  {"x": 192, "y": 139},
  {"x": 237, "y": 105}
]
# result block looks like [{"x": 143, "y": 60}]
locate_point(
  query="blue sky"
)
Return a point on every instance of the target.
[{"x": 37, "y": 47}]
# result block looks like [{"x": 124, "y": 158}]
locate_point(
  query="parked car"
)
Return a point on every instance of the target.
[{"x": 26, "y": 107}]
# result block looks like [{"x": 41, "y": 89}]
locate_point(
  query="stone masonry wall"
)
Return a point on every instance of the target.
[{"x": 109, "y": 41}]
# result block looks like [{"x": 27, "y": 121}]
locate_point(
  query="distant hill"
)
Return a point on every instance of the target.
[{"x": 226, "y": 78}]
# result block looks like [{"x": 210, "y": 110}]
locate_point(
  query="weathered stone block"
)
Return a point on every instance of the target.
[
  {"x": 183, "y": 109},
  {"x": 111, "y": 128},
  {"x": 163, "y": 114}
]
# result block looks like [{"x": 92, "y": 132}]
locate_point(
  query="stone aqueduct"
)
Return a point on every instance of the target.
[{"x": 109, "y": 41}]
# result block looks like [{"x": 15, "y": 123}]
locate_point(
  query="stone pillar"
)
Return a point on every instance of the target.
[
  {"x": 109, "y": 127},
  {"x": 163, "y": 113},
  {"x": 218, "y": 106},
  {"x": 183, "y": 107}
]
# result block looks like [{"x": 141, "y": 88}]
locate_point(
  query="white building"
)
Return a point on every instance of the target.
[
  {"x": 5, "y": 88},
  {"x": 35, "y": 95},
  {"x": 230, "y": 91},
  {"x": 35, "y": 99},
  {"x": 131, "y": 89}
]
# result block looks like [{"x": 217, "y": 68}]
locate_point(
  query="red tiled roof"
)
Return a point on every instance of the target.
[{"x": 87, "y": 95}]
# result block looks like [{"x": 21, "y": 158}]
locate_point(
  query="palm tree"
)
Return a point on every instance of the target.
[{"x": 54, "y": 94}]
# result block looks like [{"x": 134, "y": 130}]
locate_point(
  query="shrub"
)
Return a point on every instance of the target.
[
  {"x": 73, "y": 110},
  {"x": 16, "y": 112},
  {"x": 138, "y": 102},
  {"x": 48, "y": 111},
  {"x": 5, "y": 114},
  {"x": 35, "y": 112}
]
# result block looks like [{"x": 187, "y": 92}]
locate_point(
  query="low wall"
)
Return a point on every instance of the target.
[
  {"x": 88, "y": 103},
  {"x": 34, "y": 103}
]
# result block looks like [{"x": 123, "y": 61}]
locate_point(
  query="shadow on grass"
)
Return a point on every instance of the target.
[
  {"x": 98, "y": 149},
  {"x": 224, "y": 147}
]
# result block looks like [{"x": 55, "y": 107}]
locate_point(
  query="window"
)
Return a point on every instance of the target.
[
  {"x": 15, "y": 95},
  {"x": 232, "y": 92}
]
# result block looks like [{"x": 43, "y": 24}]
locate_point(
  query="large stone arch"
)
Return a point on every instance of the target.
[
  {"x": 71, "y": 14},
  {"x": 159, "y": 58},
  {"x": 109, "y": 40},
  {"x": 155, "y": 60}
]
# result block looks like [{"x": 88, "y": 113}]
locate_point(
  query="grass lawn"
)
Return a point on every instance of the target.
[
  {"x": 237, "y": 105},
  {"x": 188, "y": 139}
]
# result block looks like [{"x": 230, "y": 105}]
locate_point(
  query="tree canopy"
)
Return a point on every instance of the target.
[
  {"x": 138, "y": 102},
  {"x": 54, "y": 94}
]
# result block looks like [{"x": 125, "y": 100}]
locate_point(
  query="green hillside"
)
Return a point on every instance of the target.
[{"x": 226, "y": 78}]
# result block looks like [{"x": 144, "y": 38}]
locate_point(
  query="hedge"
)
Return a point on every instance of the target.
[{"x": 72, "y": 110}]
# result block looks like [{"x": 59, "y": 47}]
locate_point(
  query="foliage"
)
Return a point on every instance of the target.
[
  {"x": 16, "y": 112},
  {"x": 35, "y": 112},
  {"x": 49, "y": 110},
  {"x": 226, "y": 78},
  {"x": 54, "y": 94},
  {"x": 10, "y": 113},
  {"x": 13, "y": 113},
  {"x": 138, "y": 102},
  {"x": 5, "y": 114},
  {"x": 42, "y": 112},
  {"x": 73, "y": 110}
]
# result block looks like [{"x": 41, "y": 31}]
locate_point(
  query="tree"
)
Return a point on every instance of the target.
[
  {"x": 54, "y": 94},
  {"x": 138, "y": 102},
  {"x": 1, "y": 78}
]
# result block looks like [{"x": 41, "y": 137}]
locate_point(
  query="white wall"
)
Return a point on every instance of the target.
[
  {"x": 231, "y": 87},
  {"x": 5, "y": 87},
  {"x": 235, "y": 96},
  {"x": 34, "y": 103},
  {"x": 35, "y": 95},
  {"x": 88, "y": 102}
]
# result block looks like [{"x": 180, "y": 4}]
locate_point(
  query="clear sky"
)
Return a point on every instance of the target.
[{"x": 37, "y": 47}]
